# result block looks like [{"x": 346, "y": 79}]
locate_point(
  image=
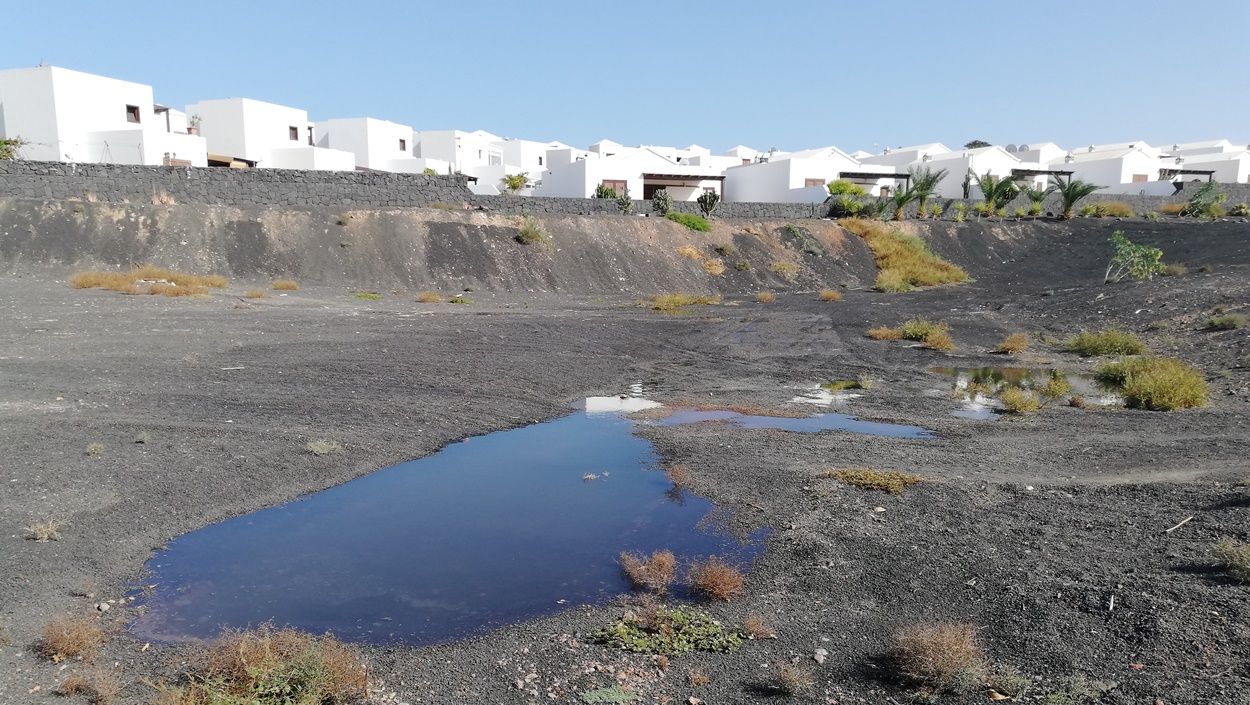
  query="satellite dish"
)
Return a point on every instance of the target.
[
  {"x": 1023, "y": 148},
  {"x": 1011, "y": 148}
]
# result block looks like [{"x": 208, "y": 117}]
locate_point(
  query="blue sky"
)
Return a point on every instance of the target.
[{"x": 766, "y": 74}]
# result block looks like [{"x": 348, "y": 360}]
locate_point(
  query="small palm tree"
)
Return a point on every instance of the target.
[
  {"x": 925, "y": 181},
  {"x": 997, "y": 191},
  {"x": 1072, "y": 190},
  {"x": 1037, "y": 196},
  {"x": 901, "y": 199},
  {"x": 516, "y": 182}
]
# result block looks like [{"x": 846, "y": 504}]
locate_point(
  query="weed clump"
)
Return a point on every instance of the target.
[
  {"x": 1174, "y": 270},
  {"x": 891, "y": 481},
  {"x": 765, "y": 297},
  {"x": 921, "y": 328},
  {"x": 1235, "y": 557},
  {"x": 830, "y": 295},
  {"x": 697, "y": 677},
  {"x": 269, "y": 666},
  {"x": 71, "y": 637},
  {"x": 530, "y": 233},
  {"x": 690, "y": 252},
  {"x": 789, "y": 679},
  {"x": 756, "y": 628},
  {"x": 885, "y": 333},
  {"x": 660, "y": 630},
  {"x": 321, "y": 446},
  {"x": 429, "y": 297},
  {"x": 654, "y": 574},
  {"x": 256, "y": 294},
  {"x": 1156, "y": 383},
  {"x": 1056, "y": 386},
  {"x": 715, "y": 579},
  {"x": 1227, "y": 321},
  {"x": 676, "y": 301},
  {"x": 690, "y": 220},
  {"x": 904, "y": 261},
  {"x": 1019, "y": 401},
  {"x": 937, "y": 655},
  {"x": 149, "y": 280},
  {"x": 367, "y": 295},
  {"x": 47, "y": 529},
  {"x": 1013, "y": 344},
  {"x": 935, "y": 336},
  {"x": 610, "y": 694},
  {"x": 285, "y": 285},
  {"x": 100, "y": 686},
  {"x": 1111, "y": 341},
  {"x": 714, "y": 267},
  {"x": 94, "y": 450},
  {"x": 786, "y": 270},
  {"x": 458, "y": 299}
]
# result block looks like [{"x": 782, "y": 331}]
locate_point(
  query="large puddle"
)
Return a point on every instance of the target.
[{"x": 486, "y": 532}]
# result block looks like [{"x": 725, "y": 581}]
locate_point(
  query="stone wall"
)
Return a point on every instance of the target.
[{"x": 119, "y": 183}]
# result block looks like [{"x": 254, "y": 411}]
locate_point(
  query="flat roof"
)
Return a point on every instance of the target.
[{"x": 686, "y": 177}]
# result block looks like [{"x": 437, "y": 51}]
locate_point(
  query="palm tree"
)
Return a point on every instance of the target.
[
  {"x": 925, "y": 182},
  {"x": 997, "y": 191},
  {"x": 902, "y": 198},
  {"x": 1072, "y": 190},
  {"x": 515, "y": 182},
  {"x": 1037, "y": 196}
]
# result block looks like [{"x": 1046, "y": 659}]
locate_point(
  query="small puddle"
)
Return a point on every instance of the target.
[
  {"x": 978, "y": 387},
  {"x": 806, "y": 424},
  {"x": 486, "y": 532}
]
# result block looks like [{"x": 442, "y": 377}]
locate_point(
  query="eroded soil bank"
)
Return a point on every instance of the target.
[{"x": 1028, "y": 528}]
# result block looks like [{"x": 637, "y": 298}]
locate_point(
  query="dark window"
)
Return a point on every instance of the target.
[
  {"x": 540, "y": 161},
  {"x": 132, "y": 113},
  {"x": 403, "y": 145},
  {"x": 294, "y": 133}
]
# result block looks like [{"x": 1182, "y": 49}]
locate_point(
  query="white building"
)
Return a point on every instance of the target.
[
  {"x": 1189, "y": 149},
  {"x": 246, "y": 132},
  {"x": 900, "y": 157},
  {"x": 1039, "y": 153},
  {"x": 378, "y": 145},
  {"x": 978, "y": 162},
  {"x": 71, "y": 116},
  {"x": 801, "y": 177},
  {"x": 1120, "y": 169},
  {"x": 574, "y": 173},
  {"x": 1229, "y": 167}
]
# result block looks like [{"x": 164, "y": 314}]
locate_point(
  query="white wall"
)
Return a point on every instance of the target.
[
  {"x": 1230, "y": 167},
  {"x": 28, "y": 111},
  {"x": 375, "y": 143},
  {"x": 579, "y": 178},
  {"x": 261, "y": 132},
  {"x": 470, "y": 153}
]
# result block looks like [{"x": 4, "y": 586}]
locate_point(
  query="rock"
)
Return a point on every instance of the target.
[
  {"x": 102, "y": 606},
  {"x": 821, "y": 656}
]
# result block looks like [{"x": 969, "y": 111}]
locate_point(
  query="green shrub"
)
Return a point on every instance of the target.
[
  {"x": 1056, "y": 386},
  {"x": 708, "y": 202},
  {"x": 1227, "y": 321},
  {"x": 961, "y": 212},
  {"x": 935, "y": 211},
  {"x": 844, "y": 187},
  {"x": 845, "y": 207},
  {"x": 10, "y": 148},
  {"x": 662, "y": 202},
  {"x": 1156, "y": 383},
  {"x": 625, "y": 203},
  {"x": 668, "y": 631},
  {"x": 1019, "y": 401},
  {"x": 982, "y": 209},
  {"x": 1132, "y": 260},
  {"x": 367, "y": 295},
  {"x": 458, "y": 299},
  {"x": 742, "y": 265},
  {"x": 1240, "y": 210},
  {"x": 605, "y": 191},
  {"x": 690, "y": 220},
  {"x": 920, "y": 328},
  {"x": 679, "y": 300},
  {"x": 1020, "y": 213},
  {"x": 1111, "y": 341},
  {"x": 1089, "y": 210},
  {"x": 530, "y": 233},
  {"x": 429, "y": 172},
  {"x": 1206, "y": 202},
  {"x": 1035, "y": 209}
]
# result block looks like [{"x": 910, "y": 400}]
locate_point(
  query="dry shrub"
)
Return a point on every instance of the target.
[
  {"x": 1156, "y": 383},
  {"x": 690, "y": 252},
  {"x": 256, "y": 294},
  {"x": 47, "y": 529},
  {"x": 1013, "y": 344},
  {"x": 885, "y": 333},
  {"x": 756, "y": 628},
  {"x": 791, "y": 679},
  {"x": 786, "y": 270},
  {"x": 1114, "y": 209},
  {"x": 766, "y": 297},
  {"x": 678, "y": 475},
  {"x": 715, "y": 579},
  {"x": 830, "y": 295},
  {"x": 1235, "y": 557},
  {"x": 904, "y": 261},
  {"x": 679, "y": 300},
  {"x": 937, "y": 654},
  {"x": 1019, "y": 401},
  {"x": 655, "y": 573},
  {"x": 429, "y": 297},
  {"x": 697, "y": 677},
  {"x": 938, "y": 340},
  {"x": 149, "y": 280},
  {"x": 891, "y": 481},
  {"x": 285, "y": 285},
  {"x": 715, "y": 267},
  {"x": 94, "y": 450},
  {"x": 173, "y": 290},
  {"x": 71, "y": 637},
  {"x": 269, "y": 665},
  {"x": 1172, "y": 208},
  {"x": 1175, "y": 270},
  {"x": 99, "y": 686}
]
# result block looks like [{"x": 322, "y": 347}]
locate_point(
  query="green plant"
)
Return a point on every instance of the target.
[
  {"x": 935, "y": 211},
  {"x": 1037, "y": 197},
  {"x": 1056, "y": 386},
  {"x": 668, "y": 631},
  {"x": 982, "y": 209},
  {"x": 1071, "y": 191},
  {"x": 961, "y": 212},
  {"x": 708, "y": 202},
  {"x": 901, "y": 198},
  {"x": 11, "y": 148},
  {"x": 690, "y": 220},
  {"x": 429, "y": 172},
  {"x": 1227, "y": 321},
  {"x": 625, "y": 202},
  {"x": 1132, "y": 260},
  {"x": 1235, "y": 557},
  {"x": 1020, "y": 213},
  {"x": 1019, "y": 401},
  {"x": 1174, "y": 270},
  {"x": 322, "y": 446},
  {"x": 530, "y": 233},
  {"x": 920, "y": 328},
  {"x": 891, "y": 481},
  {"x": 1089, "y": 210},
  {"x": 1111, "y": 341},
  {"x": 678, "y": 300},
  {"x": 458, "y": 299},
  {"x": 1240, "y": 210},
  {"x": 1206, "y": 202},
  {"x": 662, "y": 202},
  {"x": 845, "y": 187},
  {"x": 367, "y": 295},
  {"x": 1150, "y": 215},
  {"x": 903, "y": 261},
  {"x": 1078, "y": 690},
  {"x": 742, "y": 265},
  {"x": 515, "y": 182},
  {"x": 610, "y": 694},
  {"x": 1013, "y": 344},
  {"x": 845, "y": 207},
  {"x": 605, "y": 191},
  {"x": 925, "y": 181},
  {"x": 1156, "y": 383},
  {"x": 997, "y": 191}
]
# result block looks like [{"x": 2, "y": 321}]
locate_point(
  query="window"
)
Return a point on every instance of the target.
[
  {"x": 1140, "y": 178},
  {"x": 709, "y": 189},
  {"x": 746, "y": 161},
  {"x": 294, "y": 133},
  {"x": 618, "y": 186},
  {"x": 132, "y": 113},
  {"x": 540, "y": 161},
  {"x": 495, "y": 159},
  {"x": 403, "y": 145},
  {"x": 807, "y": 183},
  {"x": 310, "y": 135}
]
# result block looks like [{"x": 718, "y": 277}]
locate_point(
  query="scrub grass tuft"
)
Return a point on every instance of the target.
[
  {"x": 1156, "y": 383},
  {"x": 714, "y": 579},
  {"x": 904, "y": 262},
  {"x": 654, "y": 574},
  {"x": 1111, "y": 341},
  {"x": 891, "y": 481}
]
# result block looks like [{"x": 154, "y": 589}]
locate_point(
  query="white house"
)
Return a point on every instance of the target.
[
  {"x": 1229, "y": 167},
  {"x": 1126, "y": 169},
  {"x": 71, "y": 116},
  {"x": 993, "y": 160},
  {"x": 901, "y": 157},
  {"x": 246, "y": 132},
  {"x": 576, "y": 173},
  {"x": 1189, "y": 149},
  {"x": 378, "y": 145},
  {"x": 1039, "y": 153},
  {"x": 801, "y": 177}
]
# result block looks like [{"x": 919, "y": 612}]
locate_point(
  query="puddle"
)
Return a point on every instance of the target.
[
  {"x": 486, "y": 532},
  {"x": 978, "y": 386},
  {"x": 806, "y": 424},
  {"x": 822, "y": 395}
]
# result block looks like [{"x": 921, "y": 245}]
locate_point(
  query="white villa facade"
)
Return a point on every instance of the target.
[
  {"x": 71, "y": 116},
  {"x": 242, "y": 131},
  {"x": 378, "y": 145},
  {"x": 574, "y": 173},
  {"x": 802, "y": 177}
]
